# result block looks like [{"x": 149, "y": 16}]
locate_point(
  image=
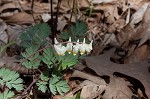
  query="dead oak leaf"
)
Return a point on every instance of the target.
[{"x": 138, "y": 71}]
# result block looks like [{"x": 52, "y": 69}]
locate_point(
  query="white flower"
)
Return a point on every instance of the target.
[
  {"x": 89, "y": 47},
  {"x": 82, "y": 47},
  {"x": 69, "y": 46},
  {"x": 59, "y": 48},
  {"x": 85, "y": 47},
  {"x": 76, "y": 48},
  {"x": 56, "y": 42}
]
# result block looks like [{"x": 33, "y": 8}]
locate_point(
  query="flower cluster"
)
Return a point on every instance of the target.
[{"x": 73, "y": 47}]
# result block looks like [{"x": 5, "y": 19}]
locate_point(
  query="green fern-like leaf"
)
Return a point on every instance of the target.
[
  {"x": 7, "y": 95},
  {"x": 68, "y": 60},
  {"x": 42, "y": 82},
  {"x": 10, "y": 79},
  {"x": 78, "y": 30},
  {"x": 48, "y": 57},
  {"x": 65, "y": 35},
  {"x": 58, "y": 85},
  {"x": 35, "y": 35},
  {"x": 34, "y": 61}
]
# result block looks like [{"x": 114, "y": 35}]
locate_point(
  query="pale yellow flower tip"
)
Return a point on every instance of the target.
[
  {"x": 82, "y": 53},
  {"x": 69, "y": 51},
  {"x": 74, "y": 53}
]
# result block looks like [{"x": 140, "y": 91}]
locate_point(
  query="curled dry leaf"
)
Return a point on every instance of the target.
[
  {"x": 9, "y": 6},
  {"x": 14, "y": 31},
  {"x": 138, "y": 15}
]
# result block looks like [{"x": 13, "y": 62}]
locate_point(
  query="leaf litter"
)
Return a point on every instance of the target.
[{"x": 122, "y": 24}]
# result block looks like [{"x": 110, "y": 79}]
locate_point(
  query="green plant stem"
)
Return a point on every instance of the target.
[
  {"x": 32, "y": 6},
  {"x": 52, "y": 22},
  {"x": 71, "y": 13},
  {"x": 58, "y": 7}
]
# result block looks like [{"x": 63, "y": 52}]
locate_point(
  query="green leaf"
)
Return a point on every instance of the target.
[
  {"x": 78, "y": 96},
  {"x": 42, "y": 82},
  {"x": 11, "y": 79},
  {"x": 58, "y": 85},
  {"x": 65, "y": 35},
  {"x": 35, "y": 35},
  {"x": 69, "y": 60},
  {"x": 48, "y": 57},
  {"x": 34, "y": 61},
  {"x": 7, "y": 94},
  {"x": 79, "y": 29}
]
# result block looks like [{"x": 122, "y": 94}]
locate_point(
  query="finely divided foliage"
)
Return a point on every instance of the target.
[
  {"x": 34, "y": 61},
  {"x": 49, "y": 58},
  {"x": 35, "y": 35},
  {"x": 10, "y": 79},
  {"x": 42, "y": 82},
  {"x": 78, "y": 30},
  {"x": 7, "y": 95},
  {"x": 57, "y": 84}
]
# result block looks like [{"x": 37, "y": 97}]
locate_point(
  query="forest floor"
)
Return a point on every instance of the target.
[{"x": 117, "y": 67}]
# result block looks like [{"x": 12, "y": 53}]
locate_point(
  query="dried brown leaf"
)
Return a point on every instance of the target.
[
  {"x": 103, "y": 66},
  {"x": 118, "y": 88},
  {"x": 140, "y": 54},
  {"x": 11, "y": 63},
  {"x": 3, "y": 34},
  {"x": 20, "y": 18},
  {"x": 91, "y": 90},
  {"x": 138, "y": 15}
]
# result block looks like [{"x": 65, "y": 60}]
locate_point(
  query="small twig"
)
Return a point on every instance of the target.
[{"x": 29, "y": 87}]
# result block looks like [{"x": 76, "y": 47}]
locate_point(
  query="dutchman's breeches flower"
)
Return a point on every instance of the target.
[
  {"x": 69, "y": 46},
  {"x": 85, "y": 47},
  {"x": 59, "y": 48},
  {"x": 89, "y": 47},
  {"x": 78, "y": 47}
]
